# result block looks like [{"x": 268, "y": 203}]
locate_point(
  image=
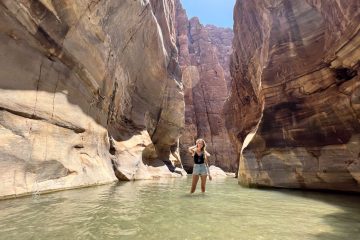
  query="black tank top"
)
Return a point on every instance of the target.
[{"x": 199, "y": 159}]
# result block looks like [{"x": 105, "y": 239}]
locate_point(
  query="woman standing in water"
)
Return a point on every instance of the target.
[{"x": 201, "y": 166}]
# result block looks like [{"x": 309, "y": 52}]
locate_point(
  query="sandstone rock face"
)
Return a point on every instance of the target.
[
  {"x": 89, "y": 90},
  {"x": 294, "y": 109},
  {"x": 203, "y": 56},
  {"x": 222, "y": 38}
]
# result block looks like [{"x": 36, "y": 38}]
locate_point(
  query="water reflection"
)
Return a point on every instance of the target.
[
  {"x": 164, "y": 209},
  {"x": 345, "y": 223}
]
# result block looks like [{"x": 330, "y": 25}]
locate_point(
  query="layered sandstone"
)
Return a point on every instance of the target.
[
  {"x": 203, "y": 56},
  {"x": 294, "y": 109},
  {"x": 221, "y": 39},
  {"x": 89, "y": 90}
]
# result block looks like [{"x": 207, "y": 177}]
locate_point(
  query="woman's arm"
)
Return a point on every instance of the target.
[
  {"x": 192, "y": 149},
  {"x": 207, "y": 165},
  {"x": 207, "y": 154}
]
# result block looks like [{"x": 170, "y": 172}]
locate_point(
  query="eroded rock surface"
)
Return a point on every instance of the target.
[
  {"x": 221, "y": 39},
  {"x": 85, "y": 88},
  {"x": 296, "y": 93},
  {"x": 204, "y": 56}
]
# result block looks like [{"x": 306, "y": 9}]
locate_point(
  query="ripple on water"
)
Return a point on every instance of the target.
[{"x": 165, "y": 210}]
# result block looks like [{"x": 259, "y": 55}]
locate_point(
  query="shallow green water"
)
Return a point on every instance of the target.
[{"x": 165, "y": 210}]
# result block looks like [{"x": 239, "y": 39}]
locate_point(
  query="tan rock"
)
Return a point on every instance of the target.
[
  {"x": 217, "y": 172},
  {"x": 74, "y": 74}
]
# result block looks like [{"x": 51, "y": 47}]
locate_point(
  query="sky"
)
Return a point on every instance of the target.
[{"x": 215, "y": 12}]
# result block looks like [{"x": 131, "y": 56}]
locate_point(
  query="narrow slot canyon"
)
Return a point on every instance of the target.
[
  {"x": 204, "y": 58},
  {"x": 105, "y": 98}
]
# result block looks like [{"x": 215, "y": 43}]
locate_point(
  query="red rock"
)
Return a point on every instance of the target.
[{"x": 203, "y": 58}]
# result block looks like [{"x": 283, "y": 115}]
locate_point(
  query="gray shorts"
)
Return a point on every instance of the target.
[{"x": 199, "y": 169}]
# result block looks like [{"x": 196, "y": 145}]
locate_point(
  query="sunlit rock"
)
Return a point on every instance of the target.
[
  {"x": 85, "y": 87},
  {"x": 217, "y": 172}
]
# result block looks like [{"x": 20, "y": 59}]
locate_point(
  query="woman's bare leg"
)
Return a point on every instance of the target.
[
  {"x": 203, "y": 183},
  {"x": 195, "y": 179}
]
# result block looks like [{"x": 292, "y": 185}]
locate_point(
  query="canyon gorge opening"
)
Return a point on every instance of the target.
[{"x": 96, "y": 91}]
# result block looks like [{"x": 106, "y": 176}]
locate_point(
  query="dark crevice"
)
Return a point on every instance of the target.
[
  {"x": 112, "y": 149},
  {"x": 344, "y": 74},
  {"x": 47, "y": 40},
  {"x": 21, "y": 114},
  {"x": 76, "y": 129},
  {"x": 111, "y": 109},
  {"x": 118, "y": 174},
  {"x": 136, "y": 28}
]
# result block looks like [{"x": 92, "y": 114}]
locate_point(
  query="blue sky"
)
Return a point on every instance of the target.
[{"x": 216, "y": 12}]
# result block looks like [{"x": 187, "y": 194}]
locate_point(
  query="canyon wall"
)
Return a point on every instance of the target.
[
  {"x": 90, "y": 91},
  {"x": 204, "y": 59},
  {"x": 294, "y": 109}
]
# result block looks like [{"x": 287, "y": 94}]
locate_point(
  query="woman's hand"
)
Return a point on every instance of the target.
[
  {"x": 210, "y": 177},
  {"x": 207, "y": 154},
  {"x": 192, "y": 149}
]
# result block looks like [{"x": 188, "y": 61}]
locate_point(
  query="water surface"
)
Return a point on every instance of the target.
[{"x": 163, "y": 209}]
